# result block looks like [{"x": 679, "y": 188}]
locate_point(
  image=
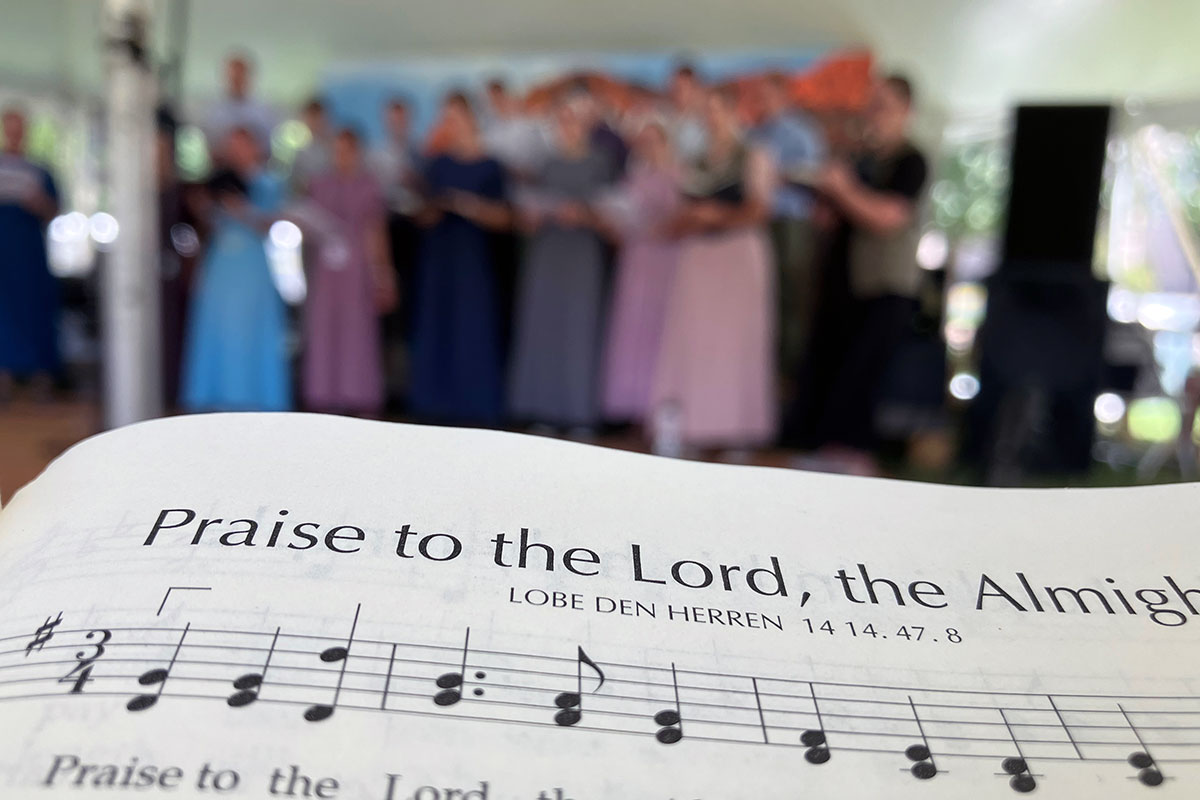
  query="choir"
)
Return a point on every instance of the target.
[{"x": 563, "y": 261}]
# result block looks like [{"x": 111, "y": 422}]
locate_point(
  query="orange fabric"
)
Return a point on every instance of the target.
[{"x": 839, "y": 83}]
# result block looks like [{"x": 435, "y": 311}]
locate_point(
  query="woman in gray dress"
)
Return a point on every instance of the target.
[{"x": 555, "y": 361}]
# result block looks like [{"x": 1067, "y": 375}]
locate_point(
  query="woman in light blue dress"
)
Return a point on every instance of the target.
[{"x": 236, "y": 352}]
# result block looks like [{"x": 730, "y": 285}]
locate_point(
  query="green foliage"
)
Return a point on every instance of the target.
[{"x": 969, "y": 194}]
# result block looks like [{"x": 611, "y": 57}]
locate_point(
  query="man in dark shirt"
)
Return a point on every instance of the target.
[{"x": 868, "y": 286}]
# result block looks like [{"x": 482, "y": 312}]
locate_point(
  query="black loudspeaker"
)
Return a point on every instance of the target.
[
  {"x": 1054, "y": 190},
  {"x": 1041, "y": 345}
]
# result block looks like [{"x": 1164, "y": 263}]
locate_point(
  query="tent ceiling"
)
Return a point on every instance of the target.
[{"x": 964, "y": 53}]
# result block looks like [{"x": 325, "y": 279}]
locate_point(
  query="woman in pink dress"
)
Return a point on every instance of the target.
[
  {"x": 648, "y": 198},
  {"x": 351, "y": 285},
  {"x": 714, "y": 383}
]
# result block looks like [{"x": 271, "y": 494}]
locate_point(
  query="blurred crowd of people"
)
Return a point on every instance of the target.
[{"x": 717, "y": 268}]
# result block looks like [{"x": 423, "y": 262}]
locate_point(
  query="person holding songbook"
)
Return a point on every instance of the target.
[
  {"x": 351, "y": 284},
  {"x": 714, "y": 382},
  {"x": 456, "y": 345},
  {"x": 870, "y": 283},
  {"x": 557, "y": 346},
  {"x": 235, "y": 356},
  {"x": 28, "y": 292}
]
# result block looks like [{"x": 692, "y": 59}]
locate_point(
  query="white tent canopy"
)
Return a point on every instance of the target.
[{"x": 964, "y": 54}]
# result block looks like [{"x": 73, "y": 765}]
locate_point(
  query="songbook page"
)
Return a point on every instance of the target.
[{"x": 295, "y": 606}]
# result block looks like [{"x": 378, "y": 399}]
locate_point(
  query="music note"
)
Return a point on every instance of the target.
[
  {"x": 1149, "y": 772},
  {"x": 924, "y": 768},
  {"x": 814, "y": 739},
  {"x": 332, "y": 655},
  {"x": 452, "y": 684},
  {"x": 1022, "y": 778},
  {"x": 670, "y": 721},
  {"x": 571, "y": 703},
  {"x": 156, "y": 677},
  {"x": 249, "y": 685}
]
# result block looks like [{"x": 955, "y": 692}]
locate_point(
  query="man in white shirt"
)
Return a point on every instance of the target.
[
  {"x": 238, "y": 109},
  {"x": 519, "y": 141},
  {"x": 316, "y": 157},
  {"x": 685, "y": 112},
  {"x": 397, "y": 164}
]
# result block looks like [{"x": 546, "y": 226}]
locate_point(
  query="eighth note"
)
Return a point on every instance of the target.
[
  {"x": 156, "y": 677},
  {"x": 42, "y": 635},
  {"x": 571, "y": 703}
]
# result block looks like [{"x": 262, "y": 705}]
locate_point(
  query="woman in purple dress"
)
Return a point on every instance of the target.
[
  {"x": 351, "y": 285},
  {"x": 648, "y": 197}
]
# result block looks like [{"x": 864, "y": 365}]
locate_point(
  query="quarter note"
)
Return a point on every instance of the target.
[
  {"x": 670, "y": 721},
  {"x": 1022, "y": 779},
  {"x": 571, "y": 703},
  {"x": 1149, "y": 772},
  {"x": 924, "y": 768},
  {"x": 452, "y": 684},
  {"x": 814, "y": 739},
  {"x": 333, "y": 655},
  {"x": 156, "y": 677},
  {"x": 248, "y": 685}
]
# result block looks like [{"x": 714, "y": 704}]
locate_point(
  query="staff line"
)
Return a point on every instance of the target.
[{"x": 613, "y": 664}]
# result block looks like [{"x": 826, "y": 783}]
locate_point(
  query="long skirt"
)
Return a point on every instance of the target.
[{"x": 716, "y": 366}]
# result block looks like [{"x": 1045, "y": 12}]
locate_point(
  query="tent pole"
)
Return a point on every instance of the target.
[{"x": 130, "y": 294}]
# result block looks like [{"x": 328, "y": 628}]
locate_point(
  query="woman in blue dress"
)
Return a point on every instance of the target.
[
  {"x": 28, "y": 292},
  {"x": 457, "y": 354},
  {"x": 235, "y": 357}
]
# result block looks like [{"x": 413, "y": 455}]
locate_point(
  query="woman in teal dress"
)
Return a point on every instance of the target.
[{"x": 236, "y": 352}]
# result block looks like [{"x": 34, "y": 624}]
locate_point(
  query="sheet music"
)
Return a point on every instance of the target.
[{"x": 260, "y": 606}]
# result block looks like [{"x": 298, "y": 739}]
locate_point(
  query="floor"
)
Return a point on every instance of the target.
[{"x": 33, "y": 434}]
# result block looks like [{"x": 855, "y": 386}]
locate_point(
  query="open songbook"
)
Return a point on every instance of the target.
[{"x": 296, "y": 606}]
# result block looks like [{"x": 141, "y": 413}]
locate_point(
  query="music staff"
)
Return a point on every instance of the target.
[{"x": 1011, "y": 729}]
